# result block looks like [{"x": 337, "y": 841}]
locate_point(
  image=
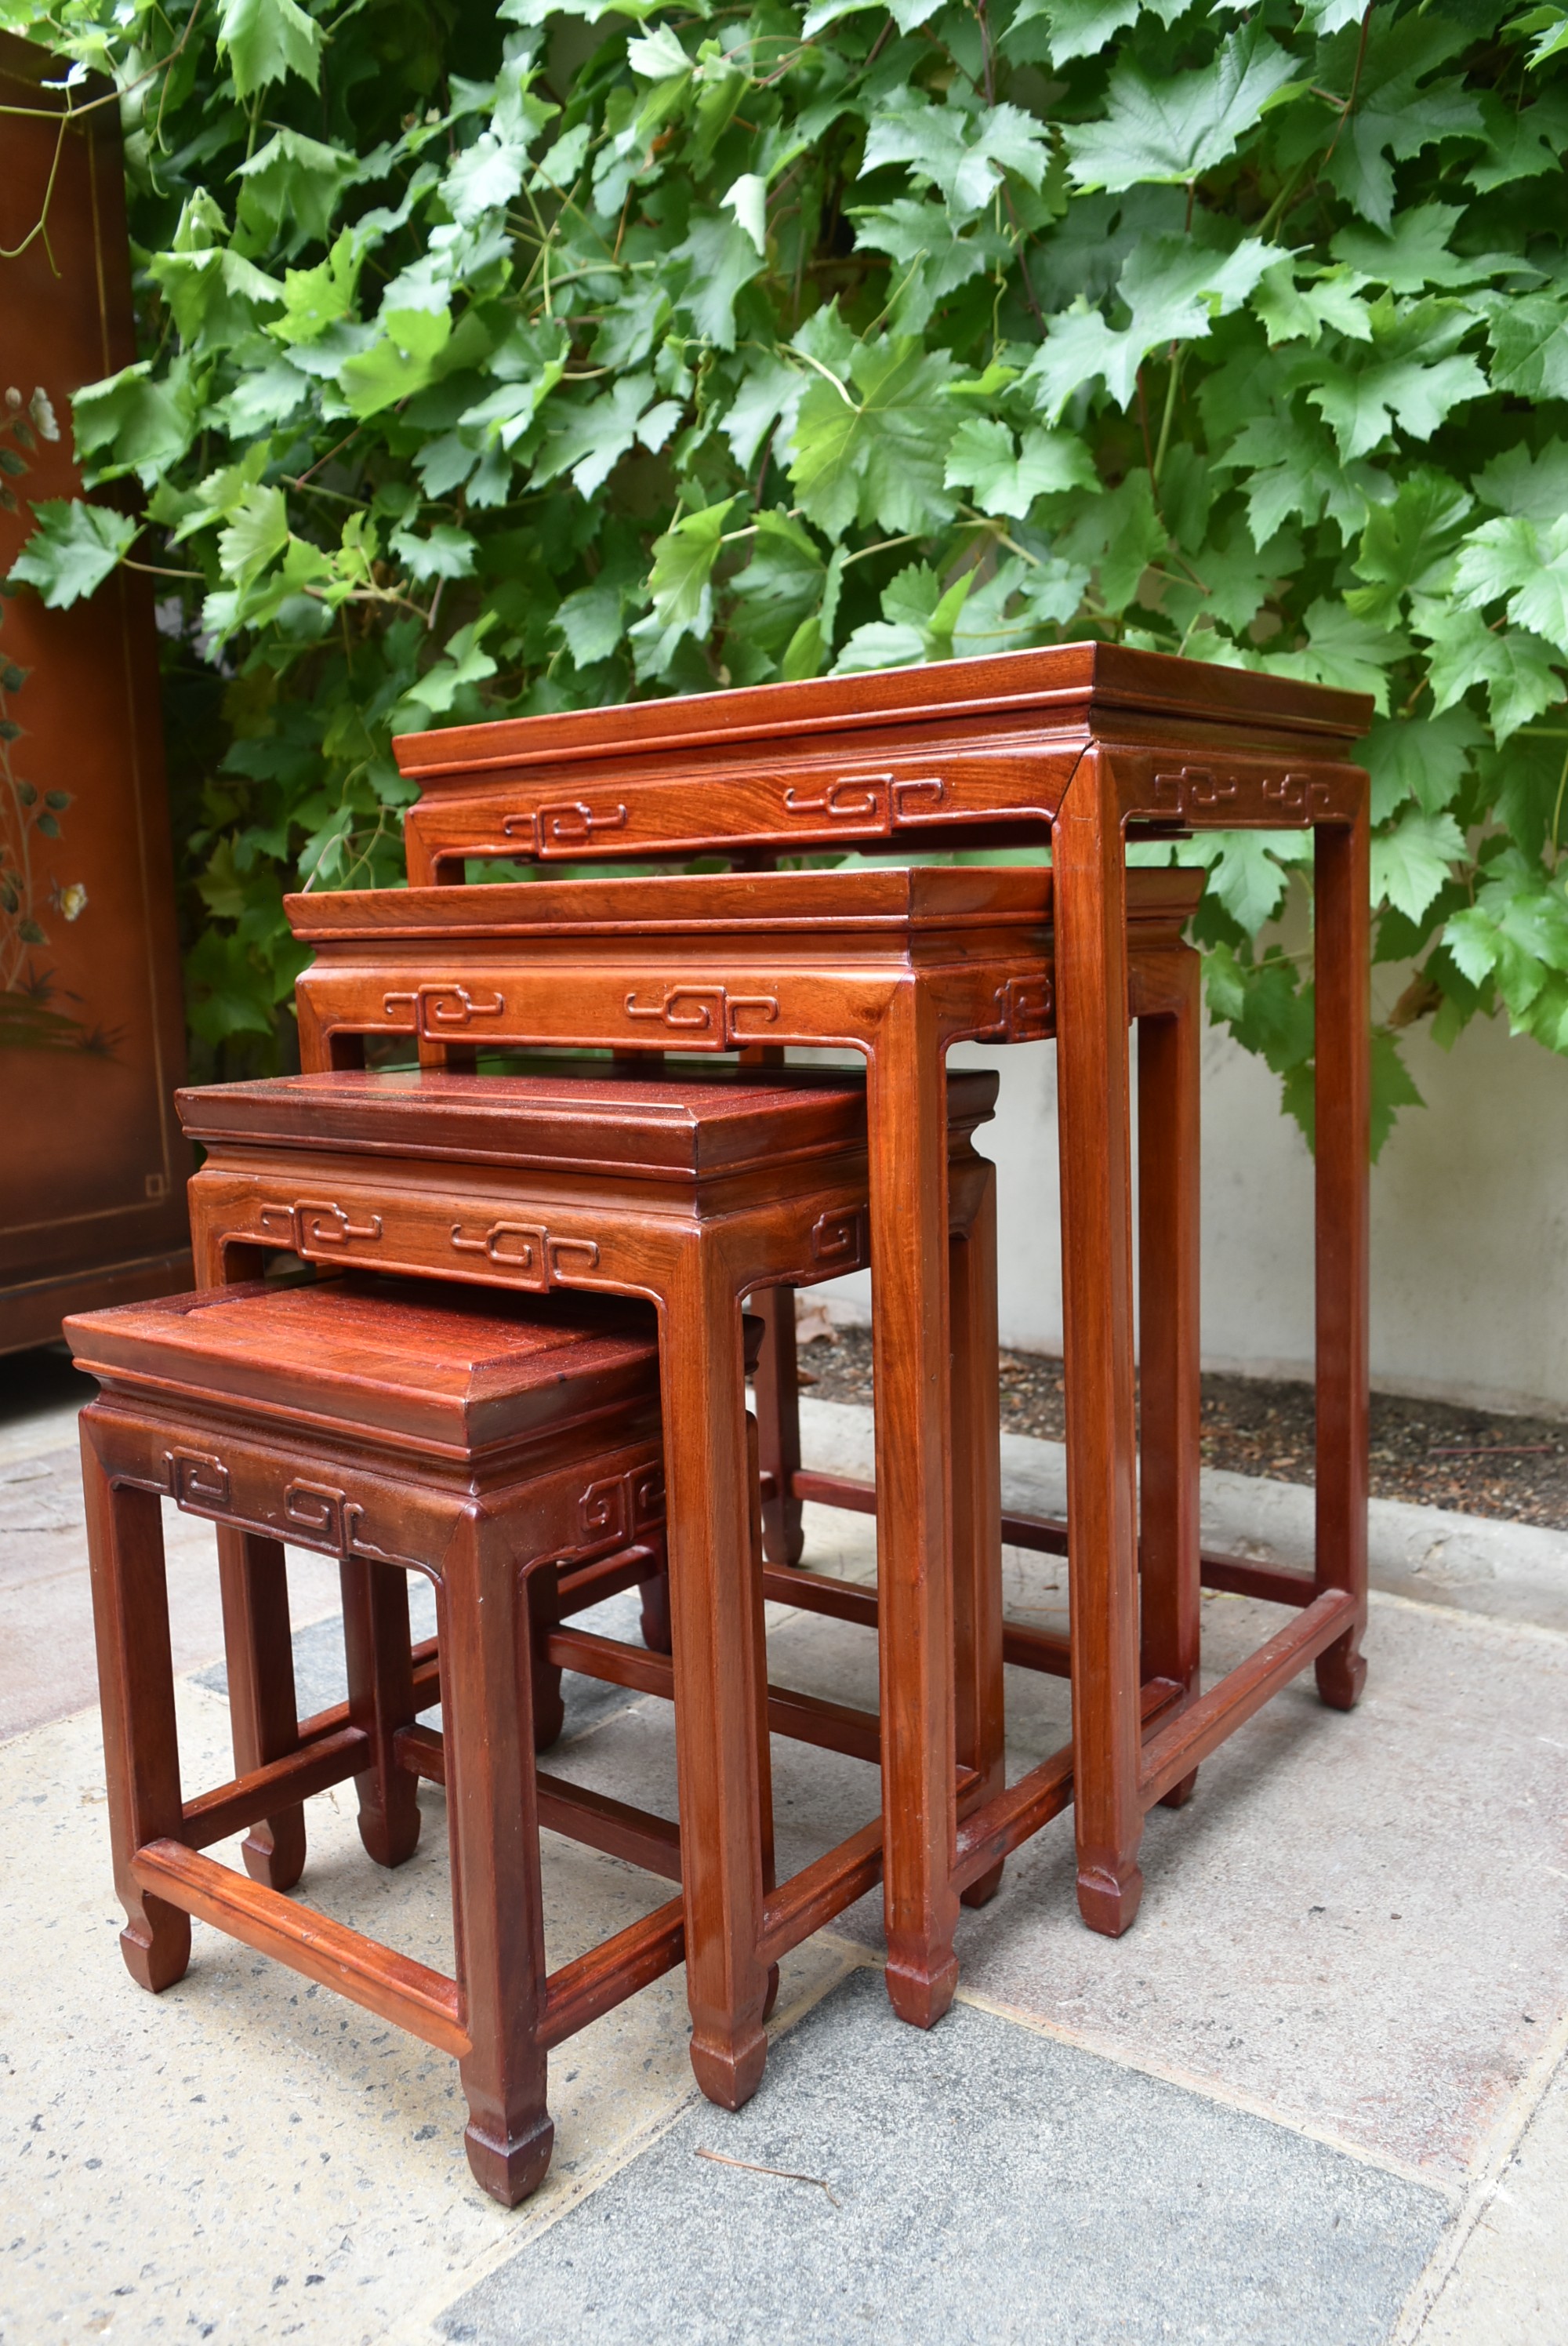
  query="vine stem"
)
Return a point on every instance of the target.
[
  {"x": 825, "y": 371},
  {"x": 1348, "y": 106},
  {"x": 1557, "y": 811},
  {"x": 1177, "y": 354},
  {"x": 153, "y": 570}
]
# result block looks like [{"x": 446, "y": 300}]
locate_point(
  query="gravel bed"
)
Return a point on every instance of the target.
[{"x": 1477, "y": 1462}]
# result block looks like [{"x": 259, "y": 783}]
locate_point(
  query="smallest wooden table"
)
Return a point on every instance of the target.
[{"x": 468, "y": 1437}]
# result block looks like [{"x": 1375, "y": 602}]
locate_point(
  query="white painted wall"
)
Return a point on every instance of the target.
[{"x": 1470, "y": 1220}]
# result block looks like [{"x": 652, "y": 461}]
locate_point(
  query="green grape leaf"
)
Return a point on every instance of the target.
[
  {"x": 1350, "y": 653},
  {"x": 1533, "y": 485},
  {"x": 441, "y": 551},
  {"x": 1174, "y": 129},
  {"x": 1121, "y": 533},
  {"x": 720, "y": 259},
  {"x": 1528, "y": 338},
  {"x": 1409, "y": 376},
  {"x": 266, "y": 40},
  {"x": 1175, "y": 289},
  {"x": 466, "y": 662},
  {"x": 1524, "y": 562},
  {"x": 72, "y": 549},
  {"x": 1516, "y": 667},
  {"x": 785, "y": 582},
  {"x": 1007, "y": 477},
  {"x": 934, "y": 259},
  {"x": 1242, "y": 873},
  {"x": 1522, "y": 143},
  {"x": 295, "y": 181},
  {"x": 257, "y": 532},
  {"x": 593, "y": 620},
  {"x": 1400, "y": 111},
  {"x": 590, "y": 441},
  {"x": 1411, "y": 863},
  {"x": 131, "y": 423},
  {"x": 1407, "y": 543},
  {"x": 400, "y": 361},
  {"x": 882, "y": 458},
  {"x": 682, "y": 578},
  {"x": 1420, "y": 758},
  {"x": 962, "y": 151}
]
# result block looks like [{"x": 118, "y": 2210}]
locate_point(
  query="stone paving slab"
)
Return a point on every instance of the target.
[
  {"x": 1516, "y": 1571},
  {"x": 248, "y": 2157},
  {"x": 1354, "y": 1943},
  {"x": 48, "y": 1665},
  {"x": 1359, "y": 1921},
  {"x": 986, "y": 2187},
  {"x": 1509, "y": 2286}
]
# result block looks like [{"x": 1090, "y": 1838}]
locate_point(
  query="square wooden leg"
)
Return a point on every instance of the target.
[
  {"x": 136, "y": 1683},
  {"x": 1094, "y": 1081},
  {"x": 978, "y": 1706},
  {"x": 1169, "y": 1396},
  {"x": 716, "y": 1611},
  {"x": 778, "y": 1424},
  {"x": 1341, "y": 1161},
  {"x": 257, "y": 1643},
  {"x": 497, "y": 1903},
  {"x": 376, "y": 1643},
  {"x": 907, "y": 1116}
]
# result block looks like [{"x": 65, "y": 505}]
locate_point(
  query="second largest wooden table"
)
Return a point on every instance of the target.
[{"x": 1082, "y": 748}]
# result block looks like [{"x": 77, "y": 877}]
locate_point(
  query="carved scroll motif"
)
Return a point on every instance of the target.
[
  {"x": 841, "y": 1239},
  {"x": 331, "y": 1517},
  {"x": 1238, "y": 793},
  {"x": 196, "y": 1480},
  {"x": 435, "y": 1011},
  {"x": 569, "y": 823},
  {"x": 1025, "y": 1009},
  {"x": 691, "y": 1008},
  {"x": 916, "y": 802},
  {"x": 529, "y": 1252},
  {"x": 622, "y": 1506},
  {"x": 310, "y": 1225},
  {"x": 853, "y": 798}
]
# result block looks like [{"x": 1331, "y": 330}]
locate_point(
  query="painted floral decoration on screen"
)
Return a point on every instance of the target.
[{"x": 30, "y": 999}]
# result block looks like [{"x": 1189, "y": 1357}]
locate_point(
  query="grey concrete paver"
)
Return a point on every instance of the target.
[
  {"x": 1334, "y": 1941},
  {"x": 1360, "y": 1922},
  {"x": 1516, "y": 1572},
  {"x": 1509, "y": 2285},
  {"x": 1361, "y": 1919},
  {"x": 247, "y": 2157},
  {"x": 48, "y": 1666},
  {"x": 987, "y": 2187}
]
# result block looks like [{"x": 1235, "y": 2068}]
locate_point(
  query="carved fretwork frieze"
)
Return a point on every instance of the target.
[
  {"x": 622, "y": 1506},
  {"x": 435, "y": 1011},
  {"x": 1239, "y": 794},
  {"x": 852, "y": 797},
  {"x": 196, "y": 1481},
  {"x": 569, "y": 823},
  {"x": 313, "y": 1226},
  {"x": 329, "y": 1518},
  {"x": 842, "y": 1239},
  {"x": 532, "y": 1256},
  {"x": 708, "y": 1016},
  {"x": 1026, "y": 1009}
]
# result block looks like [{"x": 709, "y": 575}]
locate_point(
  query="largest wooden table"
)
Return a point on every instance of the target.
[{"x": 1081, "y": 749}]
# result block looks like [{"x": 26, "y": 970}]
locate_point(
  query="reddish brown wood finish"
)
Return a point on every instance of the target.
[
  {"x": 896, "y": 965},
  {"x": 329, "y": 1412},
  {"x": 910, "y": 759},
  {"x": 690, "y": 1194},
  {"x": 92, "y": 1167},
  {"x": 1086, "y": 744}
]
